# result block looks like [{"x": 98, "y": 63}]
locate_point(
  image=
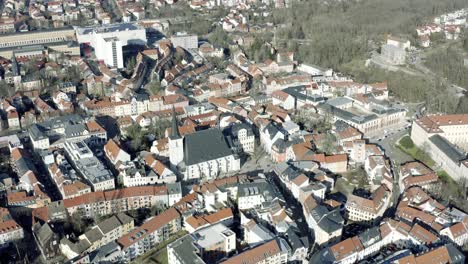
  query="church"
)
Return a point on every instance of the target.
[{"x": 202, "y": 155}]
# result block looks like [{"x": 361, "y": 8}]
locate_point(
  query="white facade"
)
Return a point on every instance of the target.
[
  {"x": 185, "y": 41},
  {"x": 212, "y": 168},
  {"x": 14, "y": 233},
  {"x": 452, "y": 128},
  {"x": 110, "y": 51},
  {"x": 137, "y": 179},
  {"x": 108, "y": 40}
]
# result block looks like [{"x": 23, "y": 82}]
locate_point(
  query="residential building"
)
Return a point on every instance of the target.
[
  {"x": 156, "y": 230},
  {"x": 115, "y": 153},
  {"x": 444, "y": 138},
  {"x": 370, "y": 209},
  {"x": 270, "y": 252},
  {"x": 105, "y": 232},
  {"x": 185, "y": 41},
  {"x": 89, "y": 166}
]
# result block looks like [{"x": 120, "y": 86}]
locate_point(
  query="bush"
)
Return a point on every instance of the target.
[{"x": 407, "y": 142}]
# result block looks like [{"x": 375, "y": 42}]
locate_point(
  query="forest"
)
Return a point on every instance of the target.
[{"x": 331, "y": 33}]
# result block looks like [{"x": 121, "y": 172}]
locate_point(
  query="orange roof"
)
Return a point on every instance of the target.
[
  {"x": 149, "y": 227},
  {"x": 9, "y": 226},
  {"x": 423, "y": 235},
  {"x": 256, "y": 254},
  {"x": 348, "y": 133},
  {"x": 433, "y": 123},
  {"x": 346, "y": 248},
  {"x": 301, "y": 179},
  {"x": 74, "y": 188},
  {"x": 407, "y": 260},
  {"x": 458, "y": 229},
  {"x": 112, "y": 149},
  {"x": 93, "y": 126},
  {"x": 438, "y": 255}
]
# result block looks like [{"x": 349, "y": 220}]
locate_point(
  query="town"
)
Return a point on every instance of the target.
[{"x": 129, "y": 137}]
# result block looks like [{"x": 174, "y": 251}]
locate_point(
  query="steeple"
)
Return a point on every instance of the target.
[
  {"x": 175, "y": 128},
  {"x": 14, "y": 65}
]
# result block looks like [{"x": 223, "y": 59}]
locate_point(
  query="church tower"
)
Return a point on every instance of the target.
[{"x": 176, "y": 146}]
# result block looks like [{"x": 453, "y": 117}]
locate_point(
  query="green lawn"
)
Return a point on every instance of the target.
[
  {"x": 158, "y": 255},
  {"x": 417, "y": 153}
]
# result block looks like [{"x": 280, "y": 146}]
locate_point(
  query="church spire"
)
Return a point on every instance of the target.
[
  {"x": 175, "y": 128},
  {"x": 14, "y": 65}
]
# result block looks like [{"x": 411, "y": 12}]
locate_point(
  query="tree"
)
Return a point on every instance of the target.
[
  {"x": 131, "y": 63},
  {"x": 6, "y": 89},
  {"x": 219, "y": 38},
  {"x": 329, "y": 143},
  {"x": 465, "y": 43},
  {"x": 154, "y": 87},
  {"x": 406, "y": 142}
]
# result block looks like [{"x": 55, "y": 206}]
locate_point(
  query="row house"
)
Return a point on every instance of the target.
[
  {"x": 10, "y": 231},
  {"x": 152, "y": 232},
  {"x": 121, "y": 200},
  {"x": 362, "y": 209}
]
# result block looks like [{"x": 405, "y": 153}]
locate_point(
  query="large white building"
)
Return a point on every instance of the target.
[
  {"x": 108, "y": 40},
  {"x": 445, "y": 138},
  {"x": 202, "y": 155},
  {"x": 89, "y": 167},
  {"x": 185, "y": 41}
]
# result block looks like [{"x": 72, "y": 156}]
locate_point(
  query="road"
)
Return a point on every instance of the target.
[{"x": 388, "y": 144}]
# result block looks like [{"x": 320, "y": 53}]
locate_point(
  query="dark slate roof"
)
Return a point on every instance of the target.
[
  {"x": 324, "y": 256},
  {"x": 370, "y": 236},
  {"x": 109, "y": 224},
  {"x": 36, "y": 132},
  {"x": 294, "y": 241},
  {"x": 174, "y": 188},
  {"x": 43, "y": 233},
  {"x": 329, "y": 221},
  {"x": 447, "y": 148},
  {"x": 74, "y": 130},
  {"x": 205, "y": 145},
  {"x": 101, "y": 253},
  {"x": 175, "y": 128},
  {"x": 272, "y": 130},
  {"x": 299, "y": 92},
  {"x": 346, "y": 115},
  {"x": 93, "y": 235},
  {"x": 455, "y": 255},
  {"x": 185, "y": 250},
  {"x": 234, "y": 129}
]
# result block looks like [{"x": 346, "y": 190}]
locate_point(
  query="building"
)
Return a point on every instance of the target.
[
  {"x": 115, "y": 153},
  {"x": 89, "y": 167},
  {"x": 197, "y": 162},
  {"x": 108, "y": 40},
  {"x": 254, "y": 194},
  {"x": 154, "y": 231},
  {"x": 12, "y": 41},
  {"x": 457, "y": 233},
  {"x": 102, "y": 203},
  {"x": 370, "y": 209},
  {"x": 184, "y": 251},
  {"x": 99, "y": 235},
  {"x": 444, "y": 138},
  {"x": 184, "y": 41},
  {"x": 373, "y": 118},
  {"x": 393, "y": 54},
  {"x": 242, "y": 137},
  {"x": 71, "y": 128},
  {"x": 138, "y": 173},
  {"x": 10, "y": 231},
  {"x": 270, "y": 252}
]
